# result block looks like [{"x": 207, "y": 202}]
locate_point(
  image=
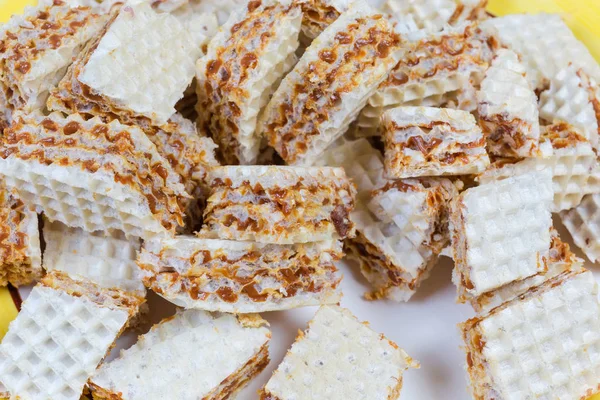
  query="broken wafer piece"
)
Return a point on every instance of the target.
[
  {"x": 542, "y": 344},
  {"x": 317, "y": 15},
  {"x": 242, "y": 277},
  {"x": 500, "y": 232},
  {"x": 339, "y": 357},
  {"x": 120, "y": 76},
  {"x": 536, "y": 38},
  {"x": 573, "y": 98},
  {"x": 245, "y": 60},
  {"x": 107, "y": 260},
  {"x": 431, "y": 70},
  {"x": 434, "y": 15},
  {"x": 426, "y": 141},
  {"x": 575, "y": 169},
  {"x": 507, "y": 108},
  {"x": 583, "y": 223},
  {"x": 317, "y": 101},
  {"x": 37, "y": 47},
  {"x": 64, "y": 330},
  {"x": 222, "y": 9},
  {"x": 196, "y": 355},
  {"x": 20, "y": 253},
  {"x": 560, "y": 259},
  {"x": 282, "y": 205},
  {"x": 92, "y": 175}
]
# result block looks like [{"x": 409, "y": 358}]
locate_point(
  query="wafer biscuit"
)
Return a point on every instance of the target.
[
  {"x": 64, "y": 330},
  {"x": 196, "y": 355},
  {"x": 283, "y": 205},
  {"x": 507, "y": 108},
  {"x": 500, "y": 232},
  {"x": 339, "y": 357},
  {"x": 331, "y": 83},
  {"x": 244, "y": 62},
  {"x": 583, "y": 223},
  {"x": 317, "y": 15},
  {"x": 544, "y": 343},
  {"x": 20, "y": 253},
  {"x": 221, "y": 8},
  {"x": 91, "y": 175},
  {"x": 425, "y": 141},
  {"x": 37, "y": 47},
  {"x": 242, "y": 277}
]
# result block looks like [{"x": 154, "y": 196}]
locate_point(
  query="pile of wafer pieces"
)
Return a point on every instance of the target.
[{"x": 227, "y": 154}]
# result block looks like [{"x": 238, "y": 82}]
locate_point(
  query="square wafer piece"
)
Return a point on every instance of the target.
[
  {"x": 138, "y": 67},
  {"x": 339, "y": 358},
  {"x": 189, "y": 356},
  {"x": 545, "y": 44},
  {"x": 317, "y": 101},
  {"x": 20, "y": 252},
  {"x": 500, "y": 232},
  {"x": 106, "y": 260},
  {"x": 92, "y": 175},
  {"x": 572, "y": 97},
  {"x": 244, "y": 63},
  {"x": 543, "y": 344},
  {"x": 507, "y": 108},
  {"x": 282, "y": 205},
  {"x": 242, "y": 277},
  {"x": 426, "y": 141},
  {"x": 583, "y": 223},
  {"x": 37, "y": 47},
  {"x": 64, "y": 330},
  {"x": 575, "y": 169}
]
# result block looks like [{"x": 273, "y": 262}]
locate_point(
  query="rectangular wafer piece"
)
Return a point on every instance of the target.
[
  {"x": 64, "y": 330},
  {"x": 427, "y": 141},
  {"x": 242, "y": 277},
  {"x": 500, "y": 232},
  {"x": 245, "y": 60},
  {"x": 340, "y": 358},
  {"x": 575, "y": 169},
  {"x": 573, "y": 97},
  {"x": 282, "y": 205},
  {"x": 20, "y": 252},
  {"x": 545, "y": 44},
  {"x": 583, "y": 223},
  {"x": 92, "y": 175},
  {"x": 543, "y": 344},
  {"x": 507, "y": 108},
  {"x": 189, "y": 356},
  {"x": 107, "y": 260},
  {"x": 37, "y": 47},
  {"x": 137, "y": 67},
  {"x": 317, "y": 101}
]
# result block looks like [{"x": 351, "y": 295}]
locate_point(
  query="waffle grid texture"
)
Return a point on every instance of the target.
[{"x": 582, "y": 222}]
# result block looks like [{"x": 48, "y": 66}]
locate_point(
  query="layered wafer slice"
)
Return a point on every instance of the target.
[
  {"x": 108, "y": 260},
  {"x": 431, "y": 71},
  {"x": 583, "y": 223},
  {"x": 283, "y": 205},
  {"x": 64, "y": 330},
  {"x": 317, "y": 15},
  {"x": 20, "y": 253},
  {"x": 500, "y": 232},
  {"x": 119, "y": 75},
  {"x": 573, "y": 98},
  {"x": 434, "y": 15},
  {"x": 317, "y": 101},
  {"x": 245, "y": 60},
  {"x": 536, "y": 38},
  {"x": 560, "y": 259},
  {"x": 92, "y": 175},
  {"x": 575, "y": 169},
  {"x": 427, "y": 141},
  {"x": 339, "y": 357},
  {"x": 242, "y": 277},
  {"x": 37, "y": 47},
  {"x": 543, "y": 344},
  {"x": 507, "y": 108},
  {"x": 189, "y": 356}
]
